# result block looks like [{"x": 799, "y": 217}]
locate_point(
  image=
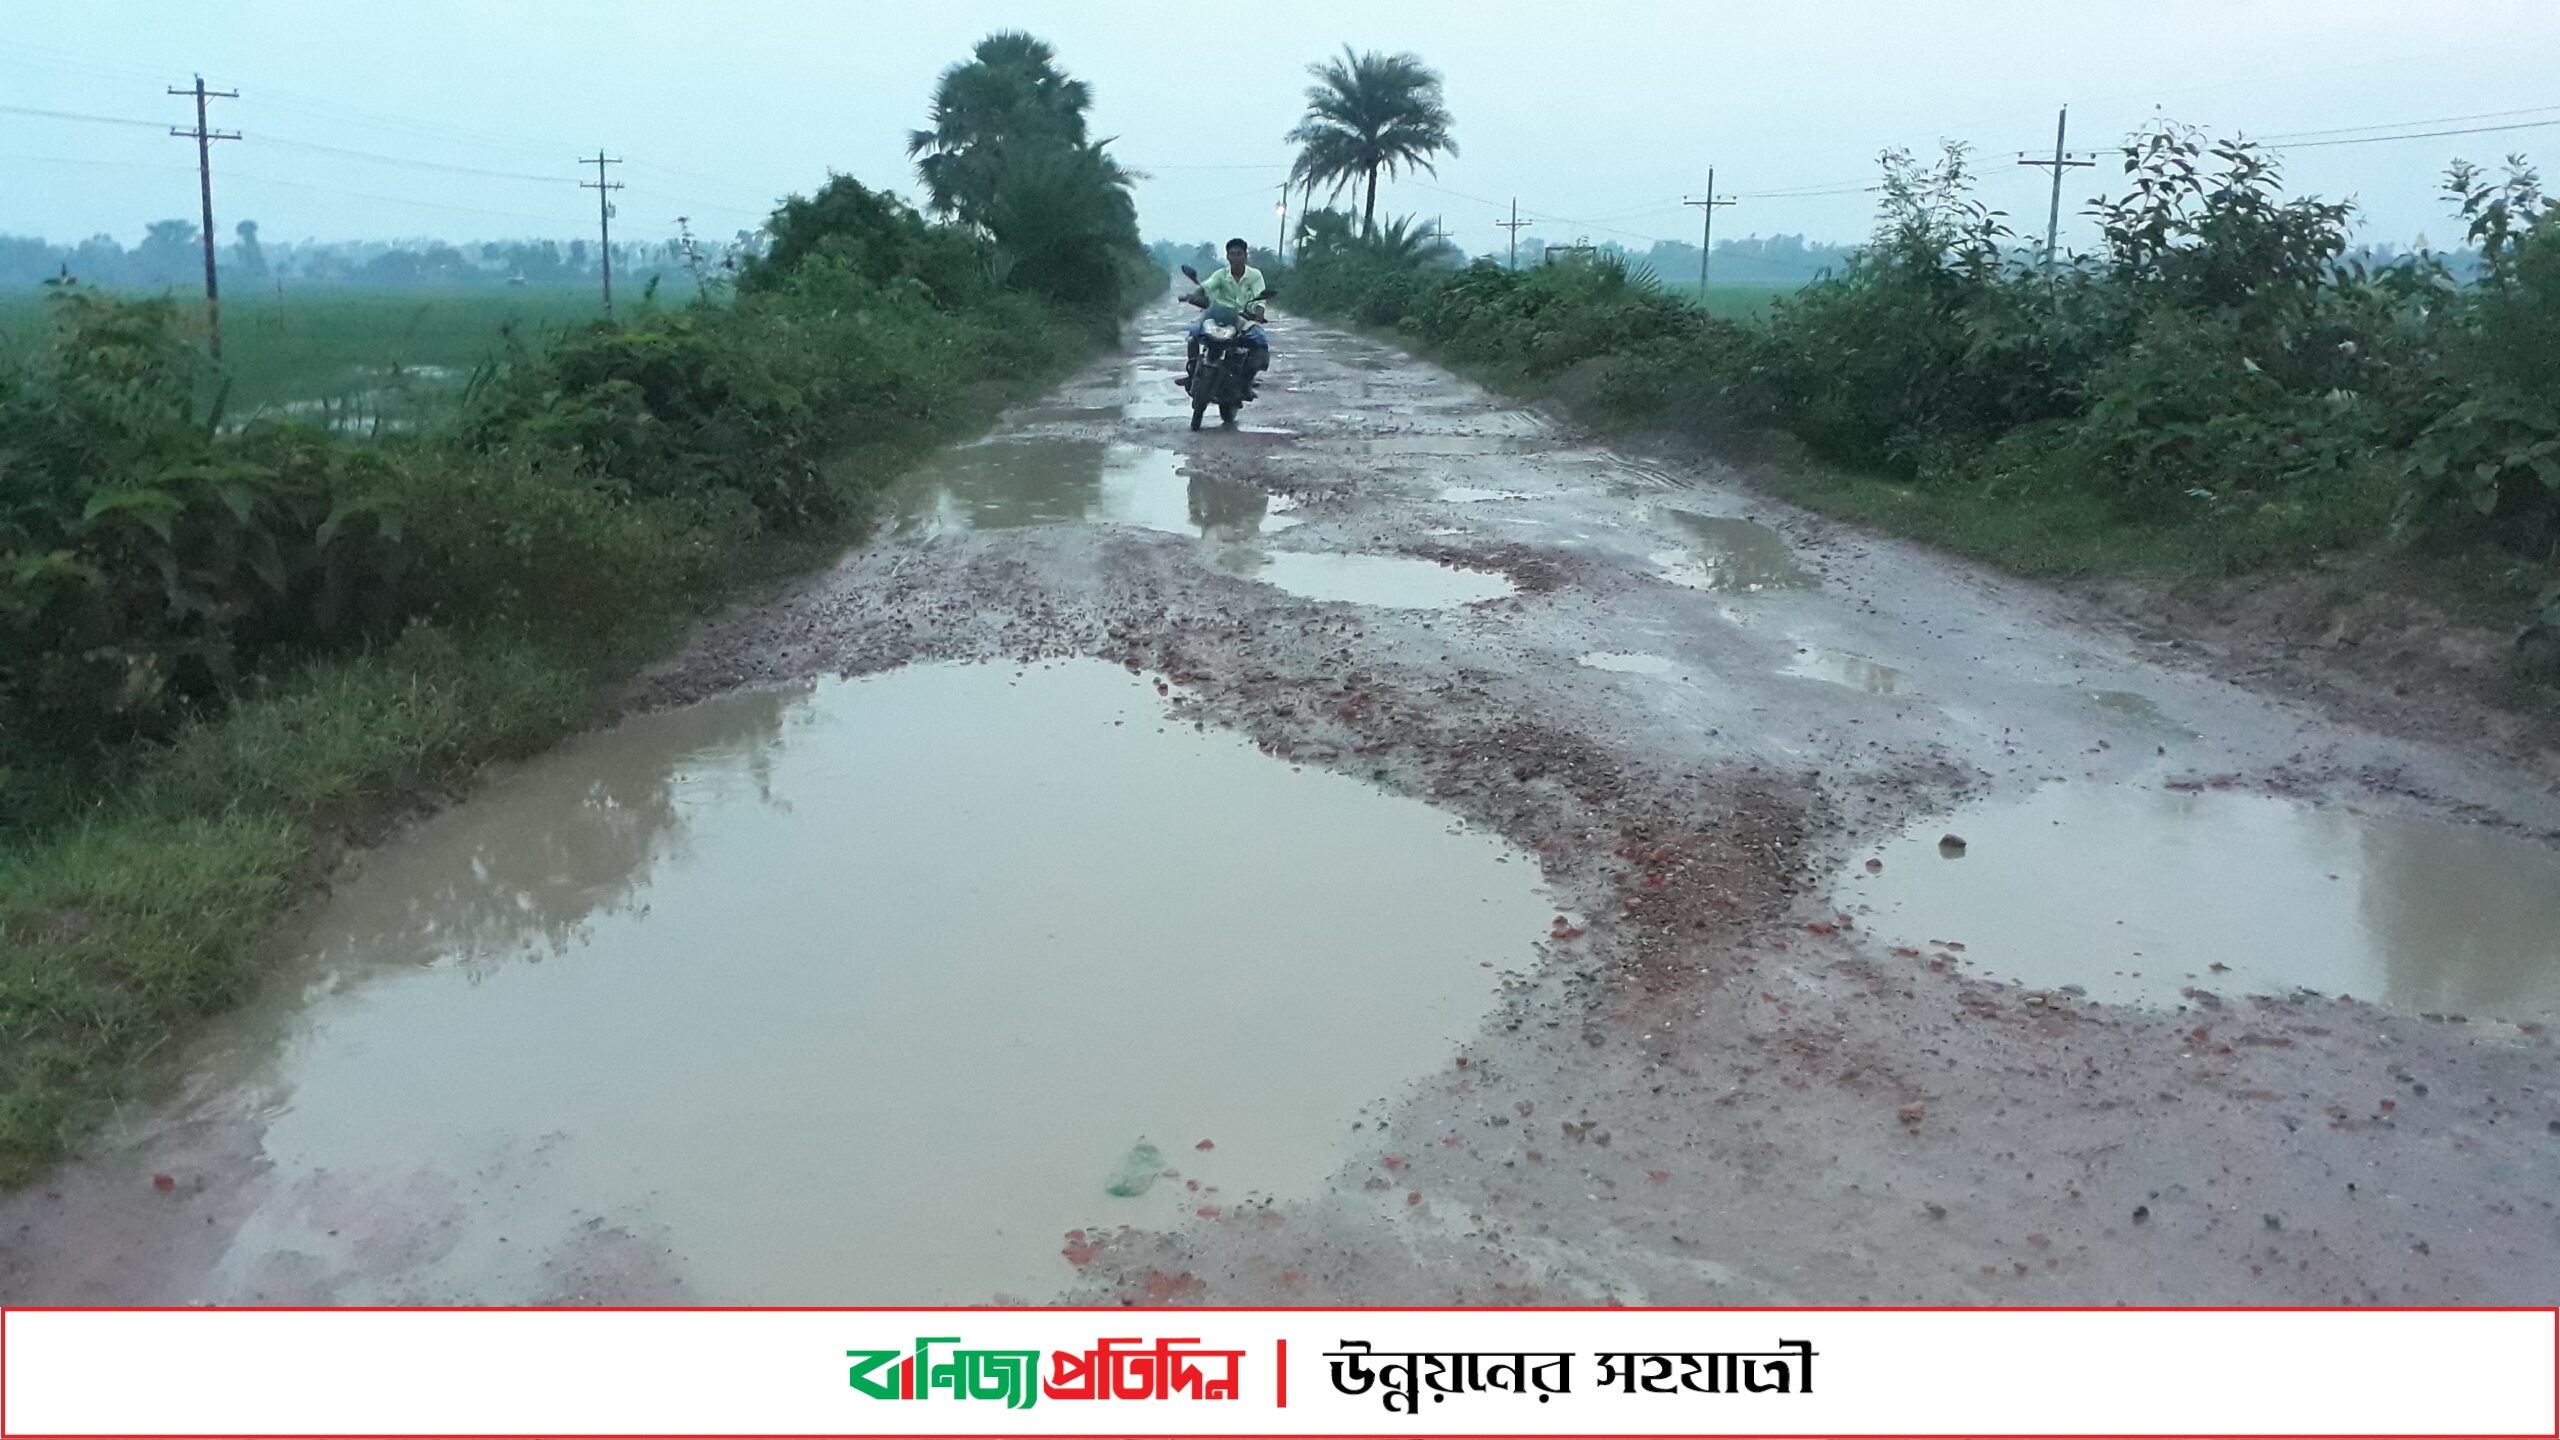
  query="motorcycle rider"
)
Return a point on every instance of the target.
[{"x": 1239, "y": 287}]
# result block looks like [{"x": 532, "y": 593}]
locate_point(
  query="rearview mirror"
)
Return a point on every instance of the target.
[
  {"x": 1190, "y": 274},
  {"x": 1267, "y": 294}
]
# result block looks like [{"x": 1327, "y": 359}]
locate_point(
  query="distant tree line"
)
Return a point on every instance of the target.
[{"x": 171, "y": 254}]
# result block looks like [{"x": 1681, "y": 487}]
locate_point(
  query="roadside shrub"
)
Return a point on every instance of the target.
[
  {"x": 877, "y": 237},
  {"x": 2219, "y": 363},
  {"x": 147, "y": 557},
  {"x": 2494, "y": 450}
]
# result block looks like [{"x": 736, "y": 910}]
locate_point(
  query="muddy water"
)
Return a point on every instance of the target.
[
  {"x": 1731, "y": 555},
  {"x": 857, "y": 993},
  {"x": 1388, "y": 581},
  {"x": 1018, "y": 482},
  {"x": 2136, "y": 894}
]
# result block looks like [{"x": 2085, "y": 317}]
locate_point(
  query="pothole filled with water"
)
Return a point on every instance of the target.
[
  {"x": 2137, "y": 711},
  {"x": 1455, "y": 445},
  {"x": 1014, "y": 483},
  {"x": 1839, "y": 667},
  {"x": 864, "y": 992},
  {"x": 1626, "y": 662},
  {"x": 2137, "y": 894},
  {"x": 1732, "y": 555},
  {"x": 1393, "y": 582}
]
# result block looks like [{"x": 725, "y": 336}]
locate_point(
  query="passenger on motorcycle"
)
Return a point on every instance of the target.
[{"x": 1238, "y": 287}]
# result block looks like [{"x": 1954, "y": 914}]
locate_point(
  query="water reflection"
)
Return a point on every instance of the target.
[
  {"x": 2137, "y": 893},
  {"x": 521, "y": 872},
  {"x": 855, "y": 994},
  {"x": 1839, "y": 667},
  {"x": 1732, "y": 555},
  {"x": 1018, "y": 482}
]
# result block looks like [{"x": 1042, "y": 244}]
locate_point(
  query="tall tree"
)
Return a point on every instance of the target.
[
  {"x": 1007, "y": 154},
  {"x": 1009, "y": 94},
  {"x": 1367, "y": 113}
]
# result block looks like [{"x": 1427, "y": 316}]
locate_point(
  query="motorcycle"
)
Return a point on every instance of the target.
[{"x": 1223, "y": 372}]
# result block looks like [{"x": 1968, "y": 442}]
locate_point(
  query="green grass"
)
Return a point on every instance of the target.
[
  {"x": 1729, "y": 301},
  {"x": 158, "y": 898},
  {"x": 350, "y": 355},
  {"x": 120, "y": 931}
]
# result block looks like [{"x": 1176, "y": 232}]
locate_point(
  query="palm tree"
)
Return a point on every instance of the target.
[
  {"x": 1011, "y": 92},
  {"x": 1366, "y": 113}
]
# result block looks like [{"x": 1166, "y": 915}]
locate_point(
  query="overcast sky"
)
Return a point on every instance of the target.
[{"x": 1599, "y": 115}]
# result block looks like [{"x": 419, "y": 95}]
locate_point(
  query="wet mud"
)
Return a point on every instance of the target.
[{"x": 1721, "y": 1043}]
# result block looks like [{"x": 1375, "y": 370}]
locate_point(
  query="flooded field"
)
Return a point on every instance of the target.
[
  {"x": 860, "y": 992},
  {"x": 2138, "y": 894}
]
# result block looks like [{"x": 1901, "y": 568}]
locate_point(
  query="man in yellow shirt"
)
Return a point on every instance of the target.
[{"x": 1239, "y": 287}]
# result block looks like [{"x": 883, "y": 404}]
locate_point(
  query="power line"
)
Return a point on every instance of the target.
[
  {"x": 2418, "y": 135},
  {"x": 253, "y": 178},
  {"x": 1809, "y": 192},
  {"x": 2289, "y": 135},
  {"x": 317, "y": 148},
  {"x": 112, "y": 164},
  {"x": 76, "y": 115}
]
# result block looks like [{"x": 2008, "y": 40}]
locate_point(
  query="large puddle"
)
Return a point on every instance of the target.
[
  {"x": 1732, "y": 555},
  {"x": 1393, "y": 582},
  {"x": 2137, "y": 894},
  {"x": 1014, "y": 483},
  {"x": 864, "y": 992}
]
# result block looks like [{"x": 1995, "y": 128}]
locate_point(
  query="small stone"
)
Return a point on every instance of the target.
[
  {"x": 1951, "y": 845},
  {"x": 164, "y": 1182},
  {"x": 2273, "y": 1223},
  {"x": 2141, "y": 1214}
]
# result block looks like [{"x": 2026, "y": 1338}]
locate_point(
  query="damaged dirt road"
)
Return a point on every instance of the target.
[{"x": 1874, "y": 931}]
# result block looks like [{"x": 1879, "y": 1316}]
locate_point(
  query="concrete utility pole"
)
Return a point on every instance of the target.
[
  {"x": 1513, "y": 225},
  {"x": 604, "y": 217},
  {"x": 204, "y": 139},
  {"x": 2062, "y": 160},
  {"x": 1707, "y": 238},
  {"x": 1282, "y": 209}
]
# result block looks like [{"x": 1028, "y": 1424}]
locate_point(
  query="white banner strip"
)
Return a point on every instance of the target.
[{"x": 1759, "y": 1372}]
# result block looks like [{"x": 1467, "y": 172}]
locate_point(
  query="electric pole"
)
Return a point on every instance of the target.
[
  {"x": 1282, "y": 254},
  {"x": 604, "y": 217},
  {"x": 2062, "y": 160},
  {"x": 1707, "y": 237},
  {"x": 1513, "y": 225},
  {"x": 204, "y": 139}
]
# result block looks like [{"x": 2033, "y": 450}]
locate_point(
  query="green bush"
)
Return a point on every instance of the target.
[{"x": 2218, "y": 366}]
